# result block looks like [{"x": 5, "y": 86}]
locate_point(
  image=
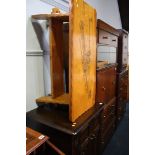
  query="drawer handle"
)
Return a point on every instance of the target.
[
  {"x": 105, "y": 37},
  {"x": 104, "y": 116},
  {"x": 114, "y": 40},
  {"x": 104, "y": 88}
]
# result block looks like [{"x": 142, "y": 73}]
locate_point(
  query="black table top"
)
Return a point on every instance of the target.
[{"x": 58, "y": 118}]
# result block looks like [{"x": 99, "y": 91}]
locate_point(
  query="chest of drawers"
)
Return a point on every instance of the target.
[{"x": 122, "y": 93}]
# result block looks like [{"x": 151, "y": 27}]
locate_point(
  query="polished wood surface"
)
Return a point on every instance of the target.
[
  {"x": 82, "y": 58},
  {"x": 62, "y": 99},
  {"x": 34, "y": 139},
  {"x": 60, "y": 16},
  {"x": 106, "y": 83},
  {"x": 56, "y": 57}
]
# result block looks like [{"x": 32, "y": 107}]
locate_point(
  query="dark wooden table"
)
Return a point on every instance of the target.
[
  {"x": 36, "y": 143},
  {"x": 34, "y": 139}
]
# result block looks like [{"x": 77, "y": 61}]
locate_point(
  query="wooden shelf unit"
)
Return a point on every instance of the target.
[{"x": 75, "y": 55}]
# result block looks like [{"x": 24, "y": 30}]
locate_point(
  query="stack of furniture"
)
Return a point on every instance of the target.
[
  {"x": 122, "y": 88},
  {"x": 107, "y": 38},
  {"x": 80, "y": 114}
]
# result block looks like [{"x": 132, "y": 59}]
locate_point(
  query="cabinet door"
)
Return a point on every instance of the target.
[
  {"x": 106, "y": 85},
  {"x": 101, "y": 91},
  {"x": 111, "y": 83},
  {"x": 84, "y": 149}
]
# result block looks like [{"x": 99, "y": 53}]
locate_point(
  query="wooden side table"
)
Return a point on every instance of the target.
[{"x": 36, "y": 140}]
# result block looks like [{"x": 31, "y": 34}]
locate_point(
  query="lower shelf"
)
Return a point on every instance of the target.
[{"x": 62, "y": 99}]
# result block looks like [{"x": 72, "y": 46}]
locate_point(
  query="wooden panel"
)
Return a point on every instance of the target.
[
  {"x": 56, "y": 58},
  {"x": 62, "y": 99},
  {"x": 82, "y": 58}
]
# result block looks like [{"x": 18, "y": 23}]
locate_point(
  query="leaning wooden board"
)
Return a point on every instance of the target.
[{"x": 82, "y": 58}]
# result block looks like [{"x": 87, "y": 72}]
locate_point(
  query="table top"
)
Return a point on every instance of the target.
[
  {"x": 57, "y": 118},
  {"x": 59, "y": 16},
  {"x": 34, "y": 139}
]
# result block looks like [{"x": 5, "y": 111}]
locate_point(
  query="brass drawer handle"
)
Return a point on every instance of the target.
[{"x": 104, "y": 88}]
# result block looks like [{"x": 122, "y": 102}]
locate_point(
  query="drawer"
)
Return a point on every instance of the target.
[
  {"x": 104, "y": 37},
  {"x": 114, "y": 41},
  {"x": 84, "y": 133},
  {"x": 106, "y": 132},
  {"x": 110, "y": 108},
  {"x": 94, "y": 124},
  {"x": 108, "y": 121}
]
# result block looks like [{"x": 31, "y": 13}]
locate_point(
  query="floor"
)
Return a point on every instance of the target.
[{"x": 119, "y": 143}]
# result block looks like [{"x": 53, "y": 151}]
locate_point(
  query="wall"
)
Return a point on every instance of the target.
[
  {"x": 37, "y": 45},
  {"x": 108, "y": 11}
]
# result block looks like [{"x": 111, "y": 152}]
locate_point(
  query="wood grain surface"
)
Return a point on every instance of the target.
[
  {"x": 33, "y": 141},
  {"x": 59, "y": 16},
  {"x": 62, "y": 99},
  {"x": 56, "y": 57},
  {"x": 82, "y": 58}
]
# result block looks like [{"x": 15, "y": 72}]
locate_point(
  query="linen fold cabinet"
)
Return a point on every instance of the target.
[
  {"x": 107, "y": 44},
  {"x": 122, "y": 87},
  {"x": 72, "y": 39}
]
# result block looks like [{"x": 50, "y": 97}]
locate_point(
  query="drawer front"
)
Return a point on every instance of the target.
[
  {"x": 110, "y": 108},
  {"x": 109, "y": 119},
  {"x": 114, "y": 41},
  {"x": 84, "y": 133},
  {"x": 94, "y": 124},
  {"x": 104, "y": 37},
  {"x": 111, "y": 83},
  {"x": 106, "y": 133},
  {"x": 125, "y": 41},
  {"x": 107, "y": 38},
  {"x": 101, "y": 89}
]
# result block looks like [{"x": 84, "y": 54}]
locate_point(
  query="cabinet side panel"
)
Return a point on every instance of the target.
[{"x": 82, "y": 58}]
